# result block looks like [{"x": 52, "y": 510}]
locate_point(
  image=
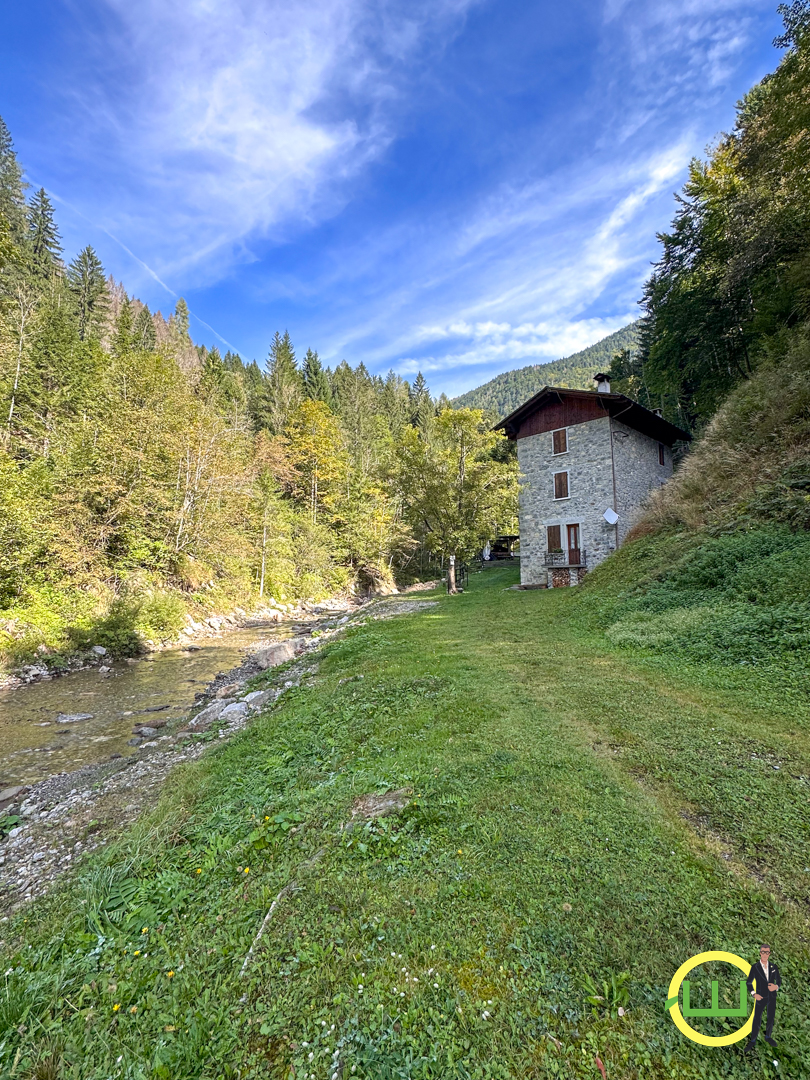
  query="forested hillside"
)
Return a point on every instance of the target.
[
  {"x": 142, "y": 475},
  {"x": 509, "y": 390},
  {"x": 719, "y": 568}
]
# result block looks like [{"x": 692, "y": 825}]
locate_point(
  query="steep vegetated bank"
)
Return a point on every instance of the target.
[
  {"x": 720, "y": 568},
  {"x": 143, "y": 477}
]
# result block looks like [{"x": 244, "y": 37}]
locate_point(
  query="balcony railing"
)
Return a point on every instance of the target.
[{"x": 565, "y": 558}]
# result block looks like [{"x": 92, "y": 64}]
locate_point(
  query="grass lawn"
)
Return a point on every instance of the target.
[{"x": 579, "y": 822}]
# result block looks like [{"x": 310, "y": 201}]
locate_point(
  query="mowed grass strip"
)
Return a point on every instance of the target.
[{"x": 548, "y": 870}]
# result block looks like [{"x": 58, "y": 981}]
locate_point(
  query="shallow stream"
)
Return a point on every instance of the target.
[{"x": 35, "y": 744}]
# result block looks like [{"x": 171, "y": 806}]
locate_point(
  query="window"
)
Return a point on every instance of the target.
[
  {"x": 554, "y": 538},
  {"x": 560, "y": 485},
  {"x": 662, "y": 460},
  {"x": 559, "y": 441}
]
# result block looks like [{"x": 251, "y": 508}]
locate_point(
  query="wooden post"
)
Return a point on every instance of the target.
[{"x": 451, "y": 575}]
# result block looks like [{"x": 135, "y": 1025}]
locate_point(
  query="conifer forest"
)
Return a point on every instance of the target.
[{"x": 141, "y": 473}]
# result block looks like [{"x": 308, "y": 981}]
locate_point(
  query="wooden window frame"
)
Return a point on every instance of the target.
[
  {"x": 662, "y": 454},
  {"x": 565, "y": 473},
  {"x": 556, "y": 431}
]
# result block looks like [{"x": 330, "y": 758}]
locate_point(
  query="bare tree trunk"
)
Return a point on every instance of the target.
[
  {"x": 264, "y": 555},
  {"x": 451, "y": 575}
]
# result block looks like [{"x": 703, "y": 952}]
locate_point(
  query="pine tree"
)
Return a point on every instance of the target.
[
  {"x": 180, "y": 319},
  {"x": 143, "y": 331},
  {"x": 213, "y": 371},
  {"x": 86, "y": 281},
  {"x": 122, "y": 339},
  {"x": 316, "y": 381},
  {"x": 12, "y": 187},
  {"x": 284, "y": 388},
  {"x": 45, "y": 251},
  {"x": 422, "y": 409}
]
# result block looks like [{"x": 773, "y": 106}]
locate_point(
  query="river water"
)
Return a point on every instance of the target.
[{"x": 35, "y": 745}]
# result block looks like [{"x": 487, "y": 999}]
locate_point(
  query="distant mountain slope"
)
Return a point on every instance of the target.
[{"x": 505, "y": 392}]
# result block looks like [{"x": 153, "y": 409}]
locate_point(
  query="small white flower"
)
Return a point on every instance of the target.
[
  {"x": 360, "y": 991},
  {"x": 400, "y": 956},
  {"x": 393, "y": 954},
  {"x": 310, "y": 1056},
  {"x": 435, "y": 986},
  {"x": 485, "y": 1015},
  {"x": 403, "y": 969},
  {"x": 305, "y": 1043},
  {"x": 353, "y": 1067},
  {"x": 402, "y": 993},
  {"x": 332, "y": 1028},
  {"x": 433, "y": 946},
  {"x": 323, "y": 1023},
  {"x": 489, "y": 1002},
  {"x": 415, "y": 979}
]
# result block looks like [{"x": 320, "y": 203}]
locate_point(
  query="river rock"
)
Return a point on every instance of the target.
[
  {"x": 99, "y": 650},
  {"x": 156, "y": 708},
  {"x": 228, "y": 691},
  {"x": 233, "y": 712},
  {"x": 279, "y": 653},
  {"x": 73, "y": 718},
  {"x": 9, "y": 793},
  {"x": 146, "y": 732},
  {"x": 203, "y": 720}
]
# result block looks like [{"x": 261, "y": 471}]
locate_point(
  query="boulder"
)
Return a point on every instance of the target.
[
  {"x": 259, "y": 698},
  {"x": 204, "y": 719},
  {"x": 234, "y": 711},
  {"x": 228, "y": 691},
  {"x": 279, "y": 653},
  {"x": 73, "y": 718},
  {"x": 99, "y": 650}
]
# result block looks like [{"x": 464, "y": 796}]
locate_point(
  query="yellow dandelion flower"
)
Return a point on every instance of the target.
[
  {"x": 460, "y": 851},
  {"x": 116, "y": 1007},
  {"x": 169, "y": 974},
  {"x": 145, "y": 930},
  {"x": 247, "y": 869},
  {"x": 137, "y": 952},
  {"x": 266, "y": 818},
  {"x": 199, "y": 869}
]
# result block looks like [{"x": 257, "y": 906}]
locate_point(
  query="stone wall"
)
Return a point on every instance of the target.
[
  {"x": 590, "y": 486},
  {"x": 638, "y": 473}
]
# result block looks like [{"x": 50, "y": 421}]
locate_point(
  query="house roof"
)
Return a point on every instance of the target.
[{"x": 615, "y": 405}]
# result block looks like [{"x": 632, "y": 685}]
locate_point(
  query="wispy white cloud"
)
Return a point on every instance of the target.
[{"x": 238, "y": 119}]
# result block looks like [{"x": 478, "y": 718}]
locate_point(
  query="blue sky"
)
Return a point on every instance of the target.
[{"x": 456, "y": 186}]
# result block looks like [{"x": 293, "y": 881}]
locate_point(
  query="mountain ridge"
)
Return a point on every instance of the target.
[{"x": 510, "y": 389}]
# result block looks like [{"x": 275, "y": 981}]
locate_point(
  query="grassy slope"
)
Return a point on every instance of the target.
[
  {"x": 548, "y": 770},
  {"x": 510, "y": 389}
]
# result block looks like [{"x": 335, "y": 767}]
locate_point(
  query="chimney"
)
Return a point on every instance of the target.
[{"x": 602, "y": 383}]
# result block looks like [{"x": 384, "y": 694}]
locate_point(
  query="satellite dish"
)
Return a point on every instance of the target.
[{"x": 610, "y": 516}]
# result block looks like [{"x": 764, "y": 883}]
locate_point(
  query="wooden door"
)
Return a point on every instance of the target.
[{"x": 573, "y": 544}]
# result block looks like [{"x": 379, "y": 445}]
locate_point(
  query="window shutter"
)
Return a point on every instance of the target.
[
  {"x": 661, "y": 458},
  {"x": 554, "y": 538},
  {"x": 561, "y": 485},
  {"x": 560, "y": 441}
]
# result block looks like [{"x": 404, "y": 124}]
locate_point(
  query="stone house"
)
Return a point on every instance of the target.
[{"x": 588, "y": 460}]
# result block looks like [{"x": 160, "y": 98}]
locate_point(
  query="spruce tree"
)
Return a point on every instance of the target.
[
  {"x": 122, "y": 339},
  {"x": 180, "y": 319},
  {"x": 316, "y": 381},
  {"x": 44, "y": 249},
  {"x": 12, "y": 188},
  {"x": 284, "y": 388},
  {"x": 87, "y": 284},
  {"x": 143, "y": 331},
  {"x": 422, "y": 409}
]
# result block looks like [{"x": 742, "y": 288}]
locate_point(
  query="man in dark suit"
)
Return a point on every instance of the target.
[{"x": 768, "y": 981}]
